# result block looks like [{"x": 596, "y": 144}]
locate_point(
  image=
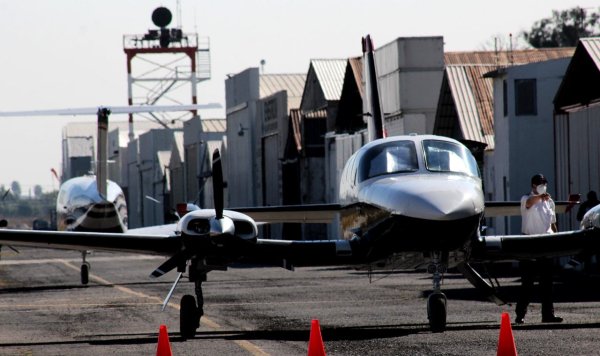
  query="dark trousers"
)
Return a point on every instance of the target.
[{"x": 529, "y": 270}]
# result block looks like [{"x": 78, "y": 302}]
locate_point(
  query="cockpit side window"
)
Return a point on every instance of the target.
[
  {"x": 388, "y": 158},
  {"x": 444, "y": 156}
]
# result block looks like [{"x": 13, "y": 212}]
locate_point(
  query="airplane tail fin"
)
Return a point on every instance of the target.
[
  {"x": 374, "y": 113},
  {"x": 102, "y": 154}
]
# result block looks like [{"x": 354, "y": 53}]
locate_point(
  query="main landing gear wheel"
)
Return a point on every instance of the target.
[
  {"x": 189, "y": 317},
  {"x": 436, "y": 312},
  {"x": 85, "y": 273}
]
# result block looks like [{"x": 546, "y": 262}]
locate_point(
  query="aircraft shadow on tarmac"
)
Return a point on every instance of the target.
[
  {"x": 299, "y": 335},
  {"x": 58, "y": 287},
  {"x": 568, "y": 288}
]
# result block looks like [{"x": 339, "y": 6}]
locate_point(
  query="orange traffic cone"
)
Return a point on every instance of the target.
[
  {"x": 506, "y": 341},
  {"x": 164, "y": 346},
  {"x": 315, "y": 343}
]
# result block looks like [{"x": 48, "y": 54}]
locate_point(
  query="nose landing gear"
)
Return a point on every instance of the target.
[{"x": 437, "y": 301}]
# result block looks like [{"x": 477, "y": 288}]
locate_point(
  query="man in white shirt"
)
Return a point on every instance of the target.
[{"x": 539, "y": 217}]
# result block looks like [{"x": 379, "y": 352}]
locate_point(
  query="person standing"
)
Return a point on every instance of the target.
[
  {"x": 538, "y": 217},
  {"x": 592, "y": 201}
]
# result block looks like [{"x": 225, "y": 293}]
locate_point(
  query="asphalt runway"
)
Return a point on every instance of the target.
[{"x": 267, "y": 311}]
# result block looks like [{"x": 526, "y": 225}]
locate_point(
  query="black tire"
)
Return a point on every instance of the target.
[
  {"x": 85, "y": 274},
  {"x": 189, "y": 319},
  {"x": 436, "y": 312}
]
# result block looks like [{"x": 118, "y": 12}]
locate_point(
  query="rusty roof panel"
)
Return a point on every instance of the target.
[
  {"x": 506, "y": 58},
  {"x": 296, "y": 118},
  {"x": 357, "y": 69},
  {"x": 472, "y": 96}
]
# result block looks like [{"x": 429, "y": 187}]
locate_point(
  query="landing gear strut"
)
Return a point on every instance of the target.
[
  {"x": 437, "y": 302},
  {"x": 190, "y": 312},
  {"x": 85, "y": 269}
]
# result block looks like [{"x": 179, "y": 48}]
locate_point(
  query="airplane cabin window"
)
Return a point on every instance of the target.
[
  {"x": 388, "y": 158},
  {"x": 443, "y": 156}
]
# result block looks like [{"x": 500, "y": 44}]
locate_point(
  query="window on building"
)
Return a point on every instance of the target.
[{"x": 525, "y": 97}]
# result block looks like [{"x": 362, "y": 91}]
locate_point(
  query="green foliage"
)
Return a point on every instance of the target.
[
  {"x": 15, "y": 206},
  {"x": 564, "y": 28},
  {"x": 16, "y": 188}
]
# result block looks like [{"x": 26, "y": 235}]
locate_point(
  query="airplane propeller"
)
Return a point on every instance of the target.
[{"x": 221, "y": 230}]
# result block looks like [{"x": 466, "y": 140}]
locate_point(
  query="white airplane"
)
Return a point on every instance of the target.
[
  {"x": 93, "y": 203},
  {"x": 403, "y": 198}
]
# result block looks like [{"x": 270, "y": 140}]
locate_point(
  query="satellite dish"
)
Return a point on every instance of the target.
[{"x": 161, "y": 17}]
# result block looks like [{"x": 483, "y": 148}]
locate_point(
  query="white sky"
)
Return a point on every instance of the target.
[{"x": 68, "y": 53}]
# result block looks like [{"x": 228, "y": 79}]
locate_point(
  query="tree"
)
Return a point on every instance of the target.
[
  {"x": 37, "y": 191},
  {"x": 16, "y": 189},
  {"x": 564, "y": 28},
  {"x": 502, "y": 43}
]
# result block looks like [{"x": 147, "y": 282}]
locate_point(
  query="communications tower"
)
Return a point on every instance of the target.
[{"x": 162, "y": 65}]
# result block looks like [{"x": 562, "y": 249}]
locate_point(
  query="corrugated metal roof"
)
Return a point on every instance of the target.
[
  {"x": 273, "y": 83},
  {"x": 472, "y": 96},
  {"x": 579, "y": 88},
  {"x": 214, "y": 125},
  {"x": 296, "y": 118},
  {"x": 592, "y": 46},
  {"x": 504, "y": 58},
  {"x": 330, "y": 73}
]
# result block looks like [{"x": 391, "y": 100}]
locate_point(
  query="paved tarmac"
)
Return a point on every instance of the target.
[{"x": 266, "y": 311}]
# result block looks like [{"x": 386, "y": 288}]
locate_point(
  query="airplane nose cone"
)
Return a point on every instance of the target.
[{"x": 433, "y": 197}]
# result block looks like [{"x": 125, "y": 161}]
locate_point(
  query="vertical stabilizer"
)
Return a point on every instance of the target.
[
  {"x": 374, "y": 113},
  {"x": 102, "y": 154}
]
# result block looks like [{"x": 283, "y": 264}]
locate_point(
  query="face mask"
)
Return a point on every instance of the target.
[{"x": 541, "y": 189}]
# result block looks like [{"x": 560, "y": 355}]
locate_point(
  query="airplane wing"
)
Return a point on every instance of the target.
[
  {"x": 311, "y": 213},
  {"x": 518, "y": 247},
  {"x": 133, "y": 109},
  {"x": 159, "y": 244},
  {"x": 513, "y": 208}
]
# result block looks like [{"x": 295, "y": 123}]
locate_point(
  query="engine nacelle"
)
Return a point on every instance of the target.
[
  {"x": 203, "y": 222},
  {"x": 591, "y": 218}
]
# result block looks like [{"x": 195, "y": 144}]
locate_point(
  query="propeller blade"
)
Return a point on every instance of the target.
[
  {"x": 217, "y": 173},
  {"x": 174, "y": 261}
]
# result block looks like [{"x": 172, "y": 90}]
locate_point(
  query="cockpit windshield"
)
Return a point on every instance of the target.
[
  {"x": 444, "y": 156},
  {"x": 392, "y": 157}
]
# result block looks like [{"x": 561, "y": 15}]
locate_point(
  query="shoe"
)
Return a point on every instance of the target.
[
  {"x": 552, "y": 319},
  {"x": 520, "y": 320}
]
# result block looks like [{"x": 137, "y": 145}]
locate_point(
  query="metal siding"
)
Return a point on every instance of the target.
[
  {"x": 390, "y": 93},
  {"x": 241, "y": 176},
  {"x": 272, "y": 170}
]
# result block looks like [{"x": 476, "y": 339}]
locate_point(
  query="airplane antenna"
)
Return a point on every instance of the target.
[{"x": 178, "y": 6}]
